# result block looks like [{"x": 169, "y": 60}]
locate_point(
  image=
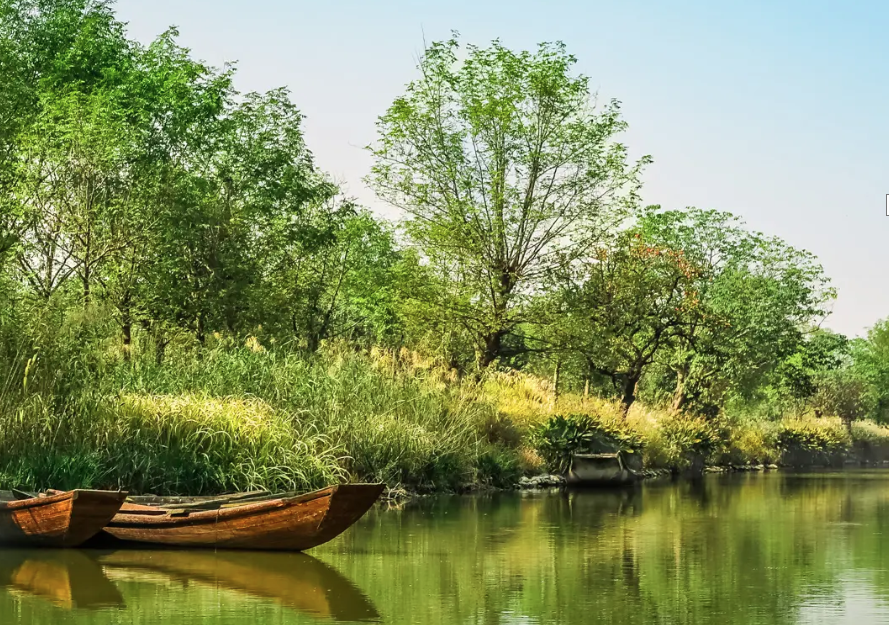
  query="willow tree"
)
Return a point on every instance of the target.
[{"x": 505, "y": 170}]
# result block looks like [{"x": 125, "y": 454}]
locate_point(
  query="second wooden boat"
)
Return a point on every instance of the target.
[
  {"x": 281, "y": 524},
  {"x": 65, "y": 519},
  {"x": 601, "y": 470}
]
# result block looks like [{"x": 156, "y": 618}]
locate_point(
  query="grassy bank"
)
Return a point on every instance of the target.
[{"x": 243, "y": 417}]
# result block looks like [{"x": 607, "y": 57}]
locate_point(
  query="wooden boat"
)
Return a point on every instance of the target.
[
  {"x": 69, "y": 579},
  {"x": 600, "y": 470},
  {"x": 279, "y": 523},
  {"x": 293, "y": 580},
  {"x": 65, "y": 519}
]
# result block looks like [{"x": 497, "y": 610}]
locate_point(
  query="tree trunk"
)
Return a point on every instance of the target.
[
  {"x": 493, "y": 346},
  {"x": 126, "y": 326},
  {"x": 201, "y": 330},
  {"x": 679, "y": 396},
  {"x": 629, "y": 393},
  {"x": 127, "y": 329},
  {"x": 312, "y": 342},
  {"x": 556, "y": 376},
  {"x": 494, "y": 339},
  {"x": 160, "y": 347},
  {"x": 87, "y": 291}
]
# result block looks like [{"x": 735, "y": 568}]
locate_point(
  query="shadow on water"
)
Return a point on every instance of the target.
[
  {"x": 294, "y": 580},
  {"x": 68, "y": 579}
]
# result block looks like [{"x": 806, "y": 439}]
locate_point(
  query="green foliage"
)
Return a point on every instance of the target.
[
  {"x": 499, "y": 467},
  {"x": 164, "y": 445},
  {"x": 624, "y": 306},
  {"x": 174, "y": 267},
  {"x": 564, "y": 435},
  {"x": 870, "y": 361},
  {"x": 679, "y": 441},
  {"x": 843, "y": 393},
  {"x": 754, "y": 293},
  {"x": 812, "y": 442},
  {"x": 238, "y": 419},
  {"x": 505, "y": 171},
  {"x": 822, "y": 351}
]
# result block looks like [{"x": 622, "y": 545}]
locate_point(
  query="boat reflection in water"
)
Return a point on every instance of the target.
[
  {"x": 68, "y": 579},
  {"x": 295, "y": 580}
]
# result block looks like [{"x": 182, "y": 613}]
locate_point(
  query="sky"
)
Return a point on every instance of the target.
[{"x": 776, "y": 112}]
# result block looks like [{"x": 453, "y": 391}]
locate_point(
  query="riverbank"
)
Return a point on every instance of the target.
[{"x": 243, "y": 418}]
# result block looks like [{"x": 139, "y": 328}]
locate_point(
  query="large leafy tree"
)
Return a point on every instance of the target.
[
  {"x": 143, "y": 174},
  {"x": 843, "y": 392},
  {"x": 251, "y": 173},
  {"x": 331, "y": 275},
  {"x": 821, "y": 351},
  {"x": 174, "y": 105},
  {"x": 51, "y": 51},
  {"x": 757, "y": 295},
  {"x": 870, "y": 356},
  {"x": 504, "y": 170},
  {"x": 76, "y": 186},
  {"x": 623, "y": 306}
]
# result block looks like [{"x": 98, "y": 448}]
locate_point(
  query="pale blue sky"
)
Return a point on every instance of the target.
[{"x": 775, "y": 113}]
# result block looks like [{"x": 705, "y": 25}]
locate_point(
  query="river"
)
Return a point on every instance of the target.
[{"x": 741, "y": 549}]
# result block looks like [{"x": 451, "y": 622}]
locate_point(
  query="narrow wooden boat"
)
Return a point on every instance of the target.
[
  {"x": 281, "y": 524},
  {"x": 293, "y": 580},
  {"x": 600, "y": 470},
  {"x": 60, "y": 520},
  {"x": 69, "y": 579}
]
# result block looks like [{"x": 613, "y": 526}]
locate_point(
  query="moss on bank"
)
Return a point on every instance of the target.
[{"x": 246, "y": 418}]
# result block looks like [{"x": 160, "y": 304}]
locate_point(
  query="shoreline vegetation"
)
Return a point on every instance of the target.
[
  {"x": 190, "y": 305},
  {"x": 241, "y": 418}
]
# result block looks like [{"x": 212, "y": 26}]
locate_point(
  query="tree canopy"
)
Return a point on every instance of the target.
[{"x": 140, "y": 189}]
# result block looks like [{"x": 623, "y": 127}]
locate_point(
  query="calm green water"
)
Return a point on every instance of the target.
[{"x": 748, "y": 549}]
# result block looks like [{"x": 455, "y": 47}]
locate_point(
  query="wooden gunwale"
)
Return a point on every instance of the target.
[{"x": 133, "y": 515}]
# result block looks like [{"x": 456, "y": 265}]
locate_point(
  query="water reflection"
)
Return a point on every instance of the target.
[
  {"x": 781, "y": 549},
  {"x": 294, "y": 580},
  {"x": 742, "y": 549},
  {"x": 67, "y": 579}
]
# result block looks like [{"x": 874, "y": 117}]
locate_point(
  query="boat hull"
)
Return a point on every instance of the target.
[
  {"x": 600, "y": 470},
  {"x": 288, "y": 524},
  {"x": 62, "y": 520}
]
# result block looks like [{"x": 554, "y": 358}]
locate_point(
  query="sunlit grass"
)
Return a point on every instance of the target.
[{"x": 240, "y": 416}]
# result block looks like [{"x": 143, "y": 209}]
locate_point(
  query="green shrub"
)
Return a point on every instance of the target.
[
  {"x": 499, "y": 467},
  {"x": 812, "y": 442},
  {"x": 680, "y": 440},
  {"x": 750, "y": 443}
]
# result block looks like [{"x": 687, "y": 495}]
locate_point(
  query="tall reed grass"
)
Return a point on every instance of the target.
[
  {"x": 246, "y": 418},
  {"x": 242, "y": 416}
]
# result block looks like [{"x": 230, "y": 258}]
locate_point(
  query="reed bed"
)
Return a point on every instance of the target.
[{"x": 241, "y": 417}]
